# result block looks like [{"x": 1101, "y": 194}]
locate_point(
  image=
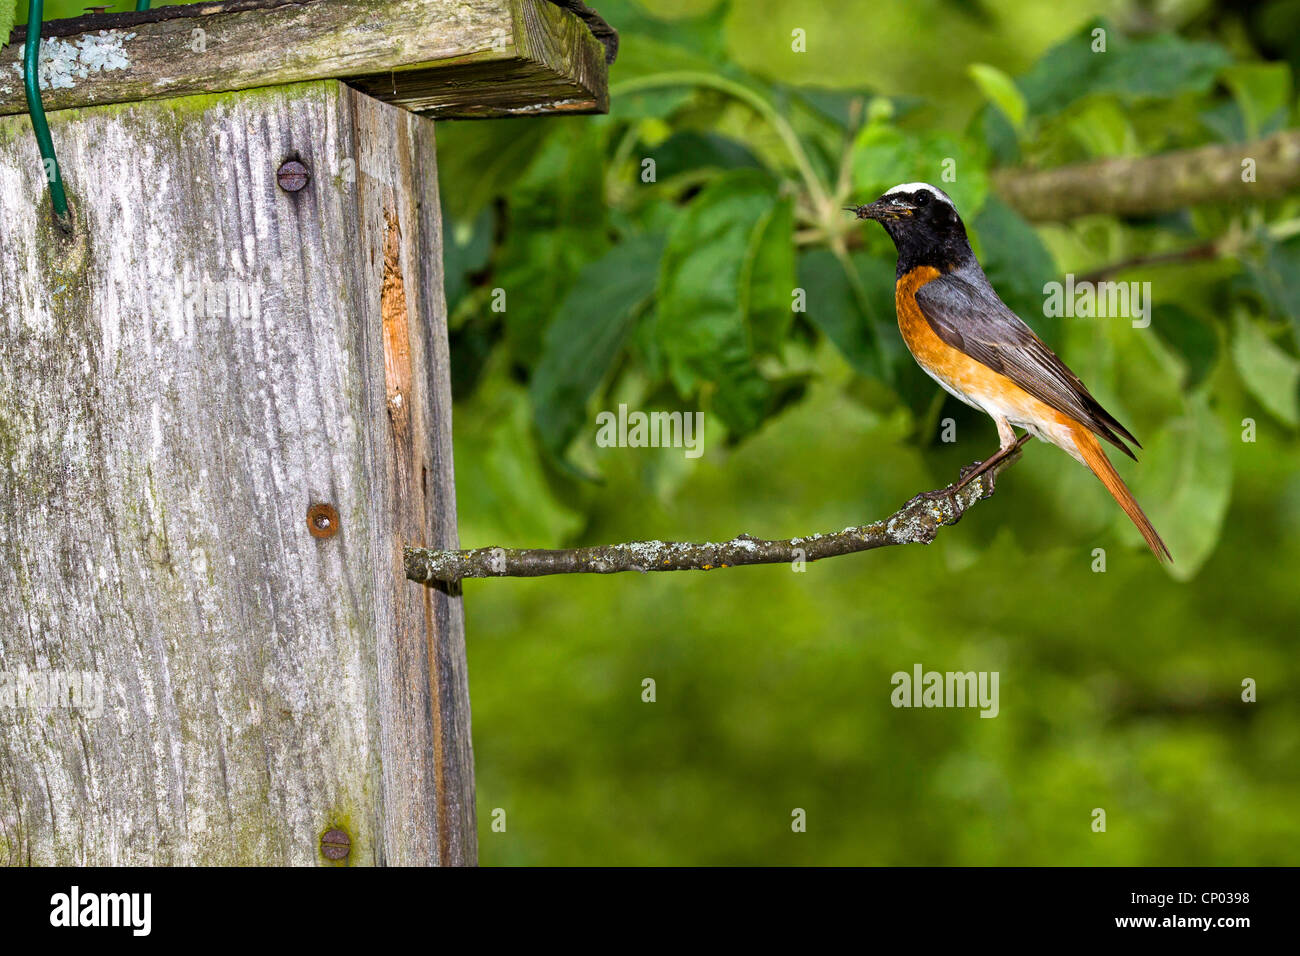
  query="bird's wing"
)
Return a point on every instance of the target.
[{"x": 971, "y": 318}]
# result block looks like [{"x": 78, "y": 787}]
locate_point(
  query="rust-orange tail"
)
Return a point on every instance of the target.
[{"x": 1096, "y": 459}]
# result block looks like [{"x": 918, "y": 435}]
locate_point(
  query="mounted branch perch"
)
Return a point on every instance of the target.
[{"x": 916, "y": 522}]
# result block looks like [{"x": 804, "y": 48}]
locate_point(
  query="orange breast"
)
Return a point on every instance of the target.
[{"x": 990, "y": 390}]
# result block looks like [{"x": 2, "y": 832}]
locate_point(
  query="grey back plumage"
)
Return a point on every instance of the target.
[{"x": 965, "y": 312}]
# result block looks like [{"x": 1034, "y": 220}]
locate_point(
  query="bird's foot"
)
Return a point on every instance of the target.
[
  {"x": 939, "y": 494},
  {"x": 929, "y": 495},
  {"x": 974, "y": 470}
]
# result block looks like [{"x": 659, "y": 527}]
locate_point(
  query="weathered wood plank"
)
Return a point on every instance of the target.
[
  {"x": 437, "y": 57},
  {"x": 208, "y": 358},
  {"x": 424, "y": 671}
]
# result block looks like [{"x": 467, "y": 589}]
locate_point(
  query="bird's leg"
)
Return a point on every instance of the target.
[
  {"x": 1009, "y": 445},
  {"x": 1006, "y": 440}
]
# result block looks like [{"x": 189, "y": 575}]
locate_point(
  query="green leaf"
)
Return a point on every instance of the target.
[
  {"x": 478, "y": 161},
  {"x": 466, "y": 245},
  {"x": 1277, "y": 278},
  {"x": 691, "y": 150},
  {"x": 1000, "y": 90},
  {"x": 7, "y": 17},
  {"x": 581, "y": 345},
  {"x": 701, "y": 327},
  {"x": 501, "y": 488},
  {"x": 676, "y": 43},
  {"x": 1184, "y": 484},
  {"x": 997, "y": 134},
  {"x": 1263, "y": 93},
  {"x": 833, "y": 307},
  {"x": 1270, "y": 374},
  {"x": 884, "y": 156},
  {"x": 1105, "y": 128},
  {"x": 650, "y": 104},
  {"x": 1190, "y": 336},
  {"x": 1014, "y": 259},
  {"x": 1152, "y": 68},
  {"x": 556, "y": 226},
  {"x": 767, "y": 278},
  {"x": 837, "y": 106}
]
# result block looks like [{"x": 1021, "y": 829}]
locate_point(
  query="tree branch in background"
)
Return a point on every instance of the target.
[
  {"x": 916, "y": 522},
  {"x": 1143, "y": 186},
  {"x": 1197, "y": 253}
]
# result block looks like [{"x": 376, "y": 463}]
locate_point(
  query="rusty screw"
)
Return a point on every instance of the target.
[
  {"x": 322, "y": 520},
  {"x": 336, "y": 845},
  {"x": 292, "y": 176}
]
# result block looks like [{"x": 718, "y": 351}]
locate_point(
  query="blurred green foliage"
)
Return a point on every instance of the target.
[
  {"x": 1120, "y": 690},
  {"x": 652, "y": 254}
]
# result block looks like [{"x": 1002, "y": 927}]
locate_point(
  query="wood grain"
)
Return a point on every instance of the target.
[
  {"x": 179, "y": 383},
  {"x": 437, "y": 57}
]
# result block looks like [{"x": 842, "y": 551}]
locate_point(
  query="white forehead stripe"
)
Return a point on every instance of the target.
[{"x": 917, "y": 187}]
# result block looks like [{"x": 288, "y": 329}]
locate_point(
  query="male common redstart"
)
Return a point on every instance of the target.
[{"x": 968, "y": 341}]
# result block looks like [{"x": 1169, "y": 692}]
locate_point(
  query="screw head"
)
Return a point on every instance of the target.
[
  {"x": 292, "y": 176},
  {"x": 322, "y": 520},
  {"x": 336, "y": 845}
]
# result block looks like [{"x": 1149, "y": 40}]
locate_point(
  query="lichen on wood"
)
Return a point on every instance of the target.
[{"x": 439, "y": 57}]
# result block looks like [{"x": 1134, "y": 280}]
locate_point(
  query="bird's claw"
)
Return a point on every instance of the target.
[{"x": 972, "y": 472}]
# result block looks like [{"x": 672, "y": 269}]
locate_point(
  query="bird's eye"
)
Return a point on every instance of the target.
[{"x": 921, "y": 199}]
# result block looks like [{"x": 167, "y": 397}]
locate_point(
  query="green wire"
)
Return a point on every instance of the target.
[
  {"x": 32, "y": 83},
  {"x": 142, "y": 4}
]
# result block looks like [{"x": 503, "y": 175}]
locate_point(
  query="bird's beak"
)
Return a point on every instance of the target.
[{"x": 880, "y": 210}]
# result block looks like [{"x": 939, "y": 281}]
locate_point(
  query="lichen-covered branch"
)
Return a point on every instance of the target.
[
  {"x": 916, "y": 522},
  {"x": 1146, "y": 185}
]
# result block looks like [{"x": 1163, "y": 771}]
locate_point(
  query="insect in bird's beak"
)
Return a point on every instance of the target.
[{"x": 880, "y": 210}]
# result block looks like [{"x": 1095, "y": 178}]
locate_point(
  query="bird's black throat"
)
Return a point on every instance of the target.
[{"x": 924, "y": 242}]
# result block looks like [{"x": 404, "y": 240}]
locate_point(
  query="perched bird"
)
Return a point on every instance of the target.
[{"x": 968, "y": 341}]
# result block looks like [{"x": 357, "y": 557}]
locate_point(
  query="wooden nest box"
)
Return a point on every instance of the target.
[{"x": 224, "y": 411}]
